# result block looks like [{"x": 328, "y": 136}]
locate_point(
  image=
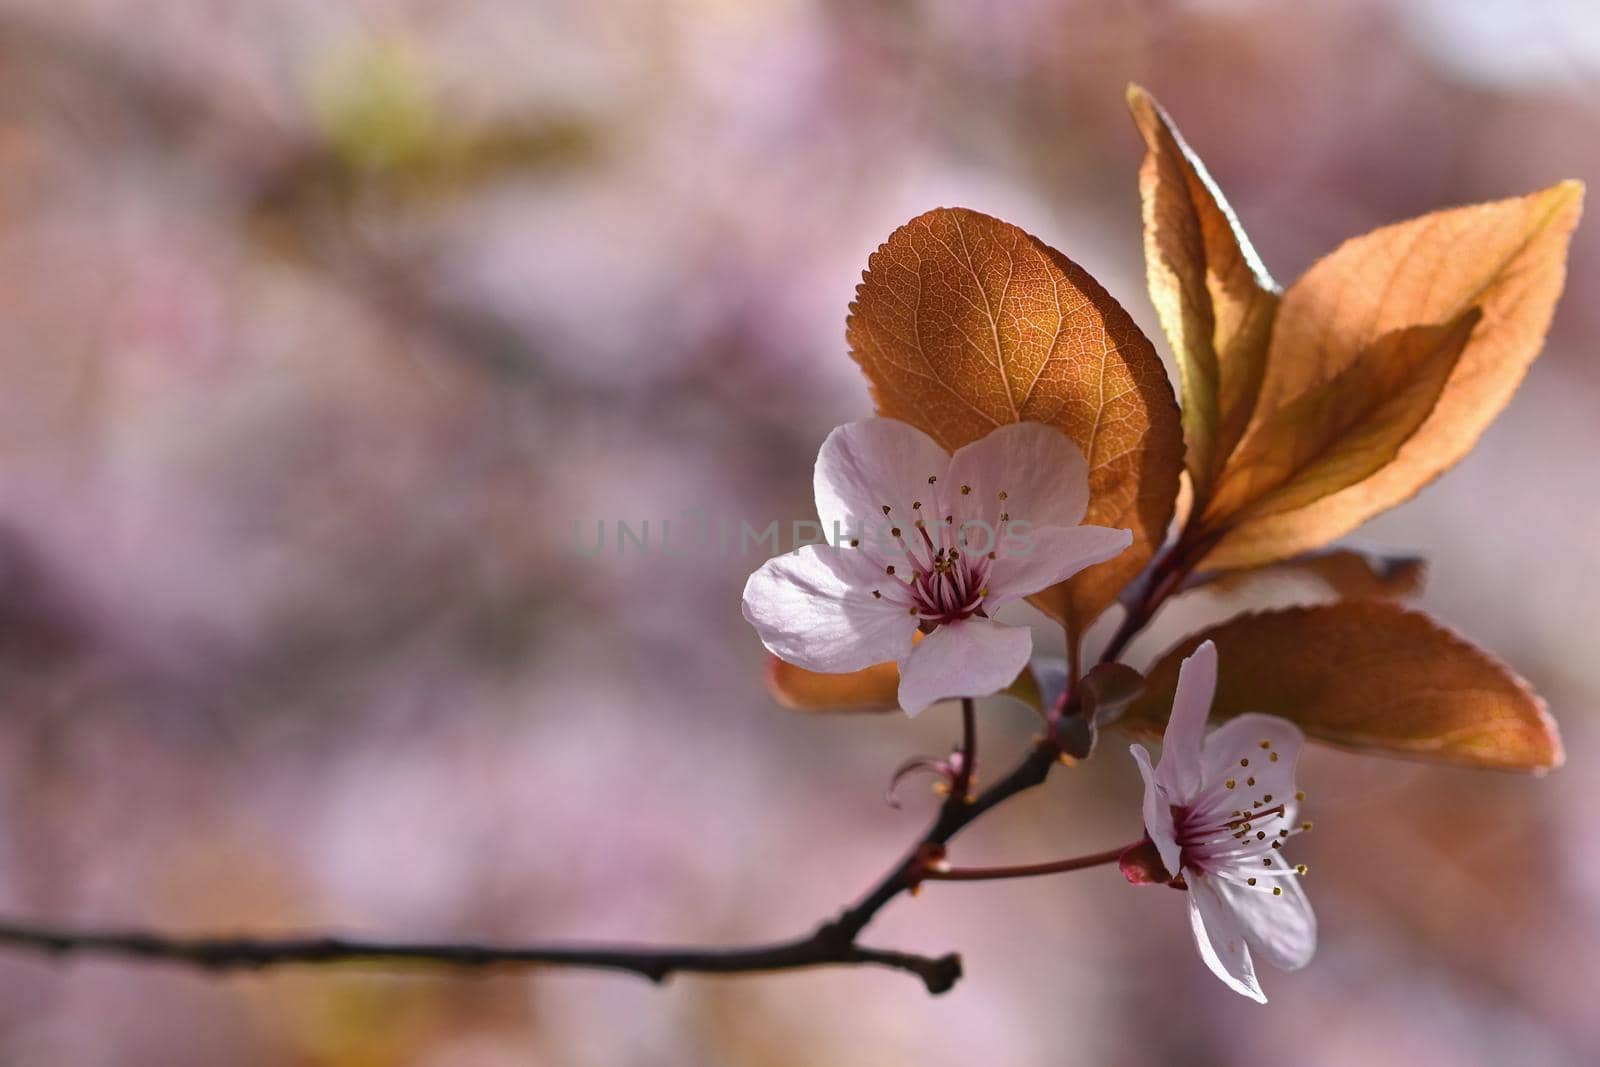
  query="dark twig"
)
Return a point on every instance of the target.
[
  {"x": 656, "y": 964},
  {"x": 961, "y": 787},
  {"x": 831, "y": 944},
  {"x": 834, "y": 943}
]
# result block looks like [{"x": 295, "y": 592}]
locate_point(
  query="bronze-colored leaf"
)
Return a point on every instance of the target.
[
  {"x": 1507, "y": 258},
  {"x": 874, "y": 688},
  {"x": 963, "y": 323},
  {"x": 1340, "y": 432},
  {"x": 1348, "y": 574},
  {"x": 1368, "y": 675},
  {"x": 1215, "y": 298}
]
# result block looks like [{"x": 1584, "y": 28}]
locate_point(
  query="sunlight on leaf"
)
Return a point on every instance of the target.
[
  {"x": 1338, "y": 433},
  {"x": 963, "y": 323},
  {"x": 1368, "y": 675},
  {"x": 1214, "y": 296},
  {"x": 1507, "y": 258}
]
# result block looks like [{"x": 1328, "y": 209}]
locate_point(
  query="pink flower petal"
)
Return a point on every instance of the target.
[
  {"x": 1158, "y": 820},
  {"x": 1233, "y": 750},
  {"x": 815, "y": 609},
  {"x": 1026, "y": 564},
  {"x": 1180, "y": 768},
  {"x": 1283, "y": 929},
  {"x": 1220, "y": 939},
  {"x": 865, "y": 465},
  {"x": 971, "y": 658},
  {"x": 1039, "y": 468}
]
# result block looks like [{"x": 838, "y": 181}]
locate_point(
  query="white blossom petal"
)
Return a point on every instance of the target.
[
  {"x": 1158, "y": 820},
  {"x": 1180, "y": 769},
  {"x": 815, "y": 609},
  {"x": 1039, "y": 468},
  {"x": 971, "y": 658},
  {"x": 1027, "y": 563},
  {"x": 1283, "y": 928},
  {"x": 1220, "y": 938},
  {"x": 1272, "y": 767},
  {"x": 865, "y": 465}
]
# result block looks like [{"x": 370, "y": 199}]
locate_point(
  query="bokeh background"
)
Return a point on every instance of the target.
[{"x": 320, "y": 324}]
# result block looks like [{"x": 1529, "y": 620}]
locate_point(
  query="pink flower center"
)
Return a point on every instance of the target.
[
  {"x": 1221, "y": 836},
  {"x": 947, "y": 582}
]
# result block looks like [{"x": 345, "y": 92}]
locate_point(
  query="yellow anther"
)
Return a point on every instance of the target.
[
  {"x": 1273, "y": 756},
  {"x": 965, "y": 489},
  {"x": 1277, "y": 891},
  {"x": 1230, "y": 783}
]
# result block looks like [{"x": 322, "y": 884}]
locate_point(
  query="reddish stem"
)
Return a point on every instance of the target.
[{"x": 994, "y": 874}]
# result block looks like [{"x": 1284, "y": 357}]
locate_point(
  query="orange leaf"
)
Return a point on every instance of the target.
[
  {"x": 1214, "y": 296},
  {"x": 1338, "y": 433},
  {"x": 1368, "y": 675},
  {"x": 875, "y": 688},
  {"x": 1348, "y": 574},
  {"x": 963, "y": 323},
  {"x": 1507, "y": 258}
]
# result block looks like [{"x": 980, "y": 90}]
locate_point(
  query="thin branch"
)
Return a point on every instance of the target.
[
  {"x": 994, "y": 874},
  {"x": 1031, "y": 771},
  {"x": 961, "y": 788},
  {"x": 833, "y": 943},
  {"x": 1165, "y": 578},
  {"x": 654, "y": 963}
]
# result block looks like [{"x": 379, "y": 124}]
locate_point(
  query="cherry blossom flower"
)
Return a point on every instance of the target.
[
  {"x": 925, "y": 541},
  {"x": 1218, "y": 810}
]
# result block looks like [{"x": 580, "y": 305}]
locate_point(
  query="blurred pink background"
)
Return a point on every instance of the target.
[{"x": 320, "y": 324}]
